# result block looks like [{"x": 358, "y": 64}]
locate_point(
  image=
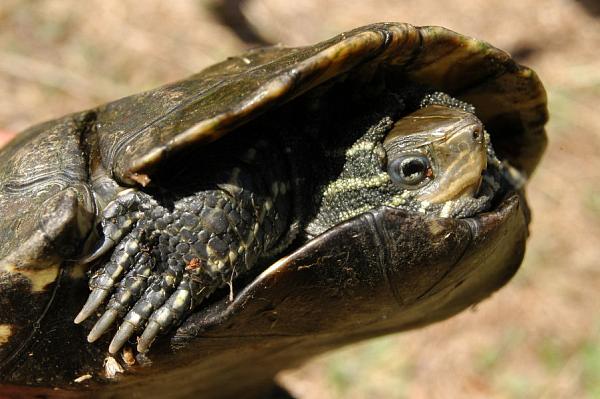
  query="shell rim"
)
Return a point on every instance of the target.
[{"x": 391, "y": 43}]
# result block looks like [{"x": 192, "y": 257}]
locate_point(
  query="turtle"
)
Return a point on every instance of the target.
[{"x": 275, "y": 205}]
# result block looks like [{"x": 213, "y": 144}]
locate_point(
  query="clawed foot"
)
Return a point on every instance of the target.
[{"x": 154, "y": 274}]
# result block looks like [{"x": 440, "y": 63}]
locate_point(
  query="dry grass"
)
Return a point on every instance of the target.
[{"x": 537, "y": 338}]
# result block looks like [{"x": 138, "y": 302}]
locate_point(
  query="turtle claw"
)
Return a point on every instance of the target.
[
  {"x": 103, "y": 281},
  {"x": 107, "y": 244},
  {"x": 118, "y": 218},
  {"x": 148, "y": 336},
  {"x": 126, "y": 330},
  {"x": 153, "y": 298},
  {"x": 102, "y": 325},
  {"x": 169, "y": 314},
  {"x": 128, "y": 290},
  {"x": 97, "y": 296}
]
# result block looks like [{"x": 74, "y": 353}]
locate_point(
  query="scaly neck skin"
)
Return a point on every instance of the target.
[{"x": 442, "y": 149}]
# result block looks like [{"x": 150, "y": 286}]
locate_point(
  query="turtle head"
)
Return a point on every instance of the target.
[
  {"x": 437, "y": 154},
  {"x": 430, "y": 161}
]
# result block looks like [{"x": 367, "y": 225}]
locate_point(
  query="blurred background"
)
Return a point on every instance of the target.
[{"x": 537, "y": 338}]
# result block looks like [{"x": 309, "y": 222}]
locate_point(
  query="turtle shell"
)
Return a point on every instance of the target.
[
  {"x": 380, "y": 272},
  {"x": 509, "y": 98}
]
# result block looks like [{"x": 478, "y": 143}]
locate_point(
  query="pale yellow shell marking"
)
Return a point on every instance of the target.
[
  {"x": 39, "y": 278},
  {"x": 5, "y": 333},
  {"x": 78, "y": 271}
]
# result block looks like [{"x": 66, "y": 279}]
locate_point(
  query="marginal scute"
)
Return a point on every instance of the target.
[
  {"x": 56, "y": 231},
  {"x": 5, "y": 333},
  {"x": 45, "y": 204},
  {"x": 39, "y": 279}
]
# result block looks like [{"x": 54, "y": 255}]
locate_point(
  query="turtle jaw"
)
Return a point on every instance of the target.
[{"x": 460, "y": 161}]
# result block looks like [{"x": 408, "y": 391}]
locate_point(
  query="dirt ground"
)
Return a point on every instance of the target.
[{"x": 537, "y": 338}]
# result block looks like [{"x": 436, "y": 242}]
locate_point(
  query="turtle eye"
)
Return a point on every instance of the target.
[{"x": 410, "y": 170}]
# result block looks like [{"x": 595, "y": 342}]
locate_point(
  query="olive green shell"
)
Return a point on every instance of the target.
[{"x": 374, "y": 270}]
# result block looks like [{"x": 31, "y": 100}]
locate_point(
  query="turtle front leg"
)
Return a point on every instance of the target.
[
  {"x": 173, "y": 259},
  {"x": 213, "y": 235}
]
